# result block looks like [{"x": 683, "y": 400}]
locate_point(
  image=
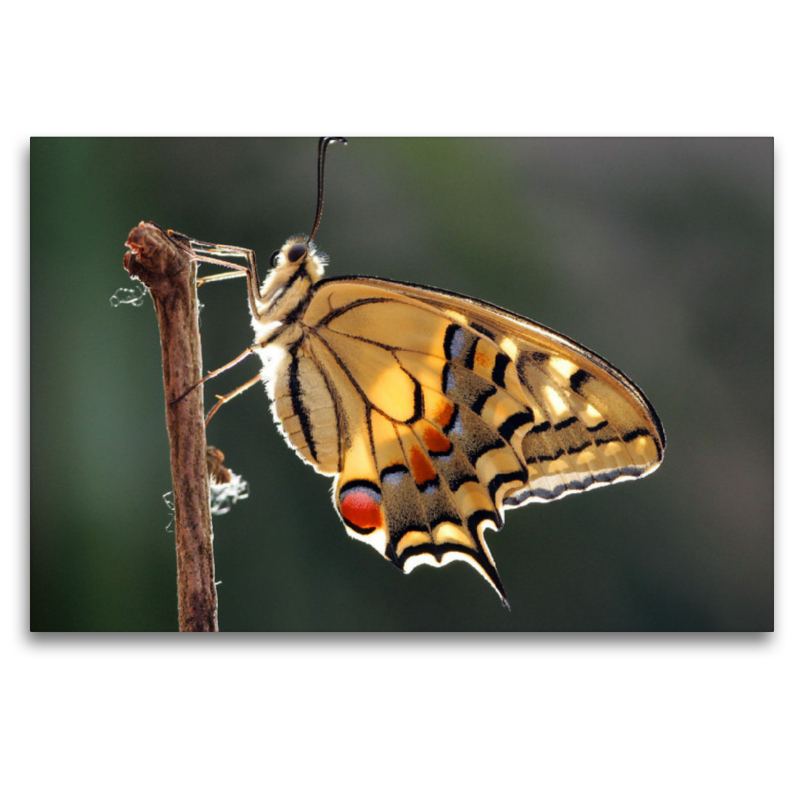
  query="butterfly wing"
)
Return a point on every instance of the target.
[{"x": 437, "y": 412}]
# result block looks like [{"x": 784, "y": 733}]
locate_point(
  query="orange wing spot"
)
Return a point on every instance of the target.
[
  {"x": 361, "y": 508},
  {"x": 482, "y": 359},
  {"x": 443, "y": 414},
  {"x": 435, "y": 440},
  {"x": 421, "y": 468}
]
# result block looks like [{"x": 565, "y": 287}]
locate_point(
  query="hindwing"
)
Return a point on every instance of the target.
[{"x": 437, "y": 412}]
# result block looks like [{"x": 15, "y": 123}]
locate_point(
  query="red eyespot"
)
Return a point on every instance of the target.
[{"x": 360, "y": 506}]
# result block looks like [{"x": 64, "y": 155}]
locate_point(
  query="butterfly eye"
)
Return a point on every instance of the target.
[
  {"x": 296, "y": 252},
  {"x": 273, "y": 259}
]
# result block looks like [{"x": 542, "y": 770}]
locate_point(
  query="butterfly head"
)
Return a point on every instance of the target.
[{"x": 299, "y": 256}]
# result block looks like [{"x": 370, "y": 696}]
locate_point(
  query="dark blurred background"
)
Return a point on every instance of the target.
[{"x": 655, "y": 253}]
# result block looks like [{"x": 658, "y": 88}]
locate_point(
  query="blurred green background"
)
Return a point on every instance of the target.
[{"x": 655, "y": 253}]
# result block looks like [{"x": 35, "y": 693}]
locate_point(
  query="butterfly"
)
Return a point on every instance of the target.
[{"x": 434, "y": 412}]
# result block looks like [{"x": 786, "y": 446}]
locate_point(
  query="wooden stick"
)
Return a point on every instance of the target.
[{"x": 170, "y": 275}]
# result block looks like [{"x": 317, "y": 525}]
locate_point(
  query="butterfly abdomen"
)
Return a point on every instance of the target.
[{"x": 305, "y": 410}]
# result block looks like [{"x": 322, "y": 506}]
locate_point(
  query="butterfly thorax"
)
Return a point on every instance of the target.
[{"x": 286, "y": 290}]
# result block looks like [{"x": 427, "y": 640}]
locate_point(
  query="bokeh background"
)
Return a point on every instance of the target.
[{"x": 655, "y": 253}]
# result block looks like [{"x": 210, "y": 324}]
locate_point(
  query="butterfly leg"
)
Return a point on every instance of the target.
[
  {"x": 222, "y": 399},
  {"x": 212, "y": 253},
  {"x": 213, "y": 374},
  {"x": 220, "y": 276}
]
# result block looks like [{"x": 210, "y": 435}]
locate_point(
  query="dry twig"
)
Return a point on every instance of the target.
[{"x": 169, "y": 274}]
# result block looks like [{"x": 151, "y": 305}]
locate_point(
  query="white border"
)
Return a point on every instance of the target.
[{"x": 561, "y": 716}]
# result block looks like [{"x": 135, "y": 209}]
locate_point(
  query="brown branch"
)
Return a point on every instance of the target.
[{"x": 169, "y": 273}]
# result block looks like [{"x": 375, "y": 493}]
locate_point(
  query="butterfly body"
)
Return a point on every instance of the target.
[{"x": 437, "y": 412}]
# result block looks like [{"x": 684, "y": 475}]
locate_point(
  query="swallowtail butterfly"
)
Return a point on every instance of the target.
[{"x": 434, "y": 412}]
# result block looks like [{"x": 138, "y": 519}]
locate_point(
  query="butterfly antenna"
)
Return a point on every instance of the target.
[{"x": 323, "y": 148}]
